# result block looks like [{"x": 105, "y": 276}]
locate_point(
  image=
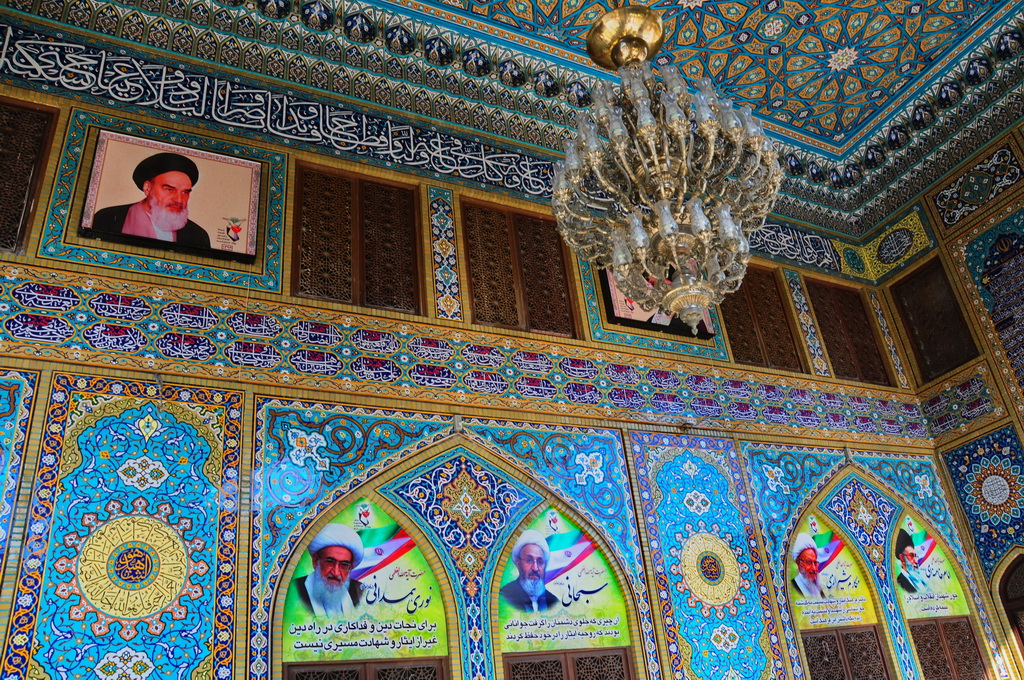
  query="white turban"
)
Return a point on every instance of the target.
[
  {"x": 338, "y": 535},
  {"x": 531, "y": 537},
  {"x": 801, "y": 543}
]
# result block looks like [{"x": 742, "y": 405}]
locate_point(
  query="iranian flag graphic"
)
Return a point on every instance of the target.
[
  {"x": 828, "y": 548},
  {"x": 568, "y": 549},
  {"x": 381, "y": 547}
]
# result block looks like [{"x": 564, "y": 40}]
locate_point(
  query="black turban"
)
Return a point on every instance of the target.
[
  {"x": 903, "y": 541},
  {"x": 160, "y": 163}
]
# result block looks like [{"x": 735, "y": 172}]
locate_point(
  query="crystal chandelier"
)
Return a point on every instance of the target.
[{"x": 662, "y": 187}]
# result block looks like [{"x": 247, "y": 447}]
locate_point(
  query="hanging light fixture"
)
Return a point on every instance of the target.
[{"x": 660, "y": 186}]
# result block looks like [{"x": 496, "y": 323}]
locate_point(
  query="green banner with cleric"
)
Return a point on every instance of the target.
[
  {"x": 558, "y": 592},
  {"x": 362, "y": 590}
]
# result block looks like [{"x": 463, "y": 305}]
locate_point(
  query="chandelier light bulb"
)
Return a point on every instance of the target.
[{"x": 661, "y": 186}]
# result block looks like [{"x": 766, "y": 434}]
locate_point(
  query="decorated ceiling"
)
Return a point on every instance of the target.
[{"x": 870, "y": 101}]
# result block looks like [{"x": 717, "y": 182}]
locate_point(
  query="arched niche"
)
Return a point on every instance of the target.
[
  {"x": 583, "y": 614},
  {"x": 929, "y": 590},
  {"x": 834, "y": 590},
  {"x": 398, "y": 610},
  {"x": 927, "y": 583},
  {"x": 1008, "y": 592},
  {"x": 838, "y": 622}
]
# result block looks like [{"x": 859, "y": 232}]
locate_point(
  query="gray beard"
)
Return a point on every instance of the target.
[
  {"x": 331, "y": 596},
  {"x": 167, "y": 220},
  {"x": 534, "y": 587}
]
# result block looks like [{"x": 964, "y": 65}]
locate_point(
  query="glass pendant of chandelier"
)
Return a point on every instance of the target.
[{"x": 661, "y": 186}]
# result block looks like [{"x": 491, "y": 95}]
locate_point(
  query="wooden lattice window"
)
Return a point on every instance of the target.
[
  {"x": 947, "y": 649},
  {"x": 759, "y": 323},
  {"x": 357, "y": 240},
  {"x": 850, "y": 336},
  {"x": 587, "y": 664},
  {"x": 517, "y": 270},
  {"x": 26, "y": 132},
  {"x": 411, "y": 669},
  {"x": 940, "y": 336},
  {"x": 845, "y": 654}
]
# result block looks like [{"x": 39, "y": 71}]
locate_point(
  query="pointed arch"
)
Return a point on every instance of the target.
[
  {"x": 420, "y": 541},
  {"x": 589, "y": 540},
  {"x": 1011, "y": 563},
  {"x": 831, "y": 554},
  {"x": 814, "y": 502}
]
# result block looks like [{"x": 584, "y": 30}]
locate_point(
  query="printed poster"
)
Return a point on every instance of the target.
[
  {"x": 922, "y": 575},
  {"x": 363, "y": 590},
  {"x": 827, "y": 586},
  {"x": 558, "y": 592}
]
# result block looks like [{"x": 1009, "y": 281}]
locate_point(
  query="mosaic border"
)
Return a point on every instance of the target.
[
  {"x": 444, "y": 254},
  {"x": 81, "y": 319},
  {"x": 20, "y": 387},
  {"x": 808, "y": 326},
  {"x": 21, "y": 633}
]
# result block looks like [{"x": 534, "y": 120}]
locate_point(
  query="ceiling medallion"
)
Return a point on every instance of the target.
[{"x": 661, "y": 186}]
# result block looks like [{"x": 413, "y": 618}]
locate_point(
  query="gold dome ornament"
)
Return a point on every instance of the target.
[
  {"x": 626, "y": 34},
  {"x": 660, "y": 185}
]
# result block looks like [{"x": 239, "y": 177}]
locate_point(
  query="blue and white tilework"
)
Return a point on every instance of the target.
[
  {"x": 444, "y": 254},
  {"x": 808, "y": 327},
  {"x": 988, "y": 476},
  {"x": 785, "y": 481},
  {"x": 717, "y": 611}
]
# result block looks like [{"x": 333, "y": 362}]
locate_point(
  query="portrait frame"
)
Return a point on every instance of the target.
[
  {"x": 228, "y": 212},
  {"x": 621, "y": 312}
]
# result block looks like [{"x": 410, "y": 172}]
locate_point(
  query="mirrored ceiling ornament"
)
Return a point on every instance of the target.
[{"x": 661, "y": 185}]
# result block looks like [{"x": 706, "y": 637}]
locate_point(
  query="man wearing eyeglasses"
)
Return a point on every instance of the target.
[{"x": 329, "y": 589}]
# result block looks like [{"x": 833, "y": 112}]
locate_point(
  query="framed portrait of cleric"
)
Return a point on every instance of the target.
[
  {"x": 558, "y": 591},
  {"x": 153, "y": 194},
  {"x": 362, "y": 589},
  {"x": 622, "y": 311}
]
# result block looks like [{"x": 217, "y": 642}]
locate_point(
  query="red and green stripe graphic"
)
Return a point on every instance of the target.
[{"x": 381, "y": 547}]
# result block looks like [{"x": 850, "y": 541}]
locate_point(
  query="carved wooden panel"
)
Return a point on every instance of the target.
[
  {"x": 864, "y": 654},
  {"x": 848, "y": 332},
  {"x": 328, "y": 674},
  {"x": 845, "y": 654},
  {"x": 325, "y": 221},
  {"x": 491, "y": 266},
  {"x": 930, "y": 312},
  {"x": 740, "y": 322},
  {"x": 545, "y": 289},
  {"x": 410, "y": 672},
  {"x": 1015, "y": 583},
  {"x": 930, "y": 651},
  {"x": 411, "y": 669},
  {"x": 824, "y": 657},
  {"x": 963, "y": 649},
  {"x": 584, "y": 664},
  {"x": 758, "y": 322},
  {"x": 603, "y": 667},
  {"x": 545, "y": 669},
  {"x": 389, "y": 247},
  {"x": 24, "y": 133},
  {"x": 357, "y": 241}
]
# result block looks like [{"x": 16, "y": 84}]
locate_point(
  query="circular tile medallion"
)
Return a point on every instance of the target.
[
  {"x": 710, "y": 568},
  {"x": 132, "y": 567}
]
